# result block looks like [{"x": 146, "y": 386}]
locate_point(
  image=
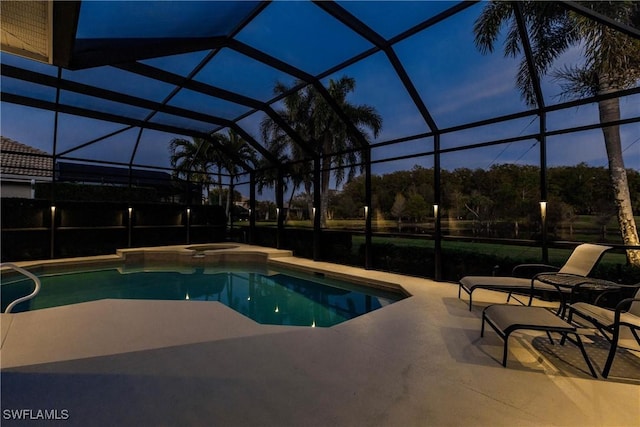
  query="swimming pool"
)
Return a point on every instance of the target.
[{"x": 264, "y": 294}]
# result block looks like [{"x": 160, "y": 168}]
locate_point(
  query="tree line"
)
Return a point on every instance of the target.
[{"x": 505, "y": 192}]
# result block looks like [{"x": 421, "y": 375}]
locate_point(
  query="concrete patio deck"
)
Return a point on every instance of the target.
[{"x": 417, "y": 362}]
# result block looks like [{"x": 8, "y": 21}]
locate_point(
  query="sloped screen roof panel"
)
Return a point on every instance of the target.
[
  {"x": 302, "y": 35},
  {"x": 200, "y": 102},
  {"x": 390, "y": 18},
  {"x": 241, "y": 74},
  {"x": 157, "y": 19},
  {"x": 20, "y": 87},
  {"x": 113, "y": 79},
  {"x": 110, "y": 32}
]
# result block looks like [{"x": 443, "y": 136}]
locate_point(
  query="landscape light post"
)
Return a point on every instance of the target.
[
  {"x": 53, "y": 233},
  {"x": 438, "y": 242},
  {"x": 317, "y": 204},
  {"x": 543, "y": 231},
  {"x": 252, "y": 207},
  {"x": 188, "y": 225},
  {"x": 129, "y": 226},
  {"x": 279, "y": 210},
  {"x": 368, "y": 199}
]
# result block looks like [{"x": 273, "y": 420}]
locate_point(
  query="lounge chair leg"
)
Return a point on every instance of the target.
[
  {"x": 612, "y": 353},
  {"x": 563, "y": 339},
  {"x": 569, "y": 320},
  {"x": 460, "y": 293},
  {"x": 550, "y": 338},
  {"x": 505, "y": 351},
  {"x": 562, "y": 309},
  {"x": 586, "y": 357}
]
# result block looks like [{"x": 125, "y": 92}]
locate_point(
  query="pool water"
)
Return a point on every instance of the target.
[{"x": 266, "y": 296}]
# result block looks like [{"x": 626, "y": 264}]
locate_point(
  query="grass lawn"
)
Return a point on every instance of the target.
[{"x": 556, "y": 256}]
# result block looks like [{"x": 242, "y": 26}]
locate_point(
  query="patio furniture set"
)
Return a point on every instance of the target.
[{"x": 580, "y": 297}]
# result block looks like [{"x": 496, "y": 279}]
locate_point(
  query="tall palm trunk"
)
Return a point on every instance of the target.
[
  {"x": 325, "y": 177},
  {"x": 609, "y": 110},
  {"x": 229, "y": 201},
  {"x": 219, "y": 186},
  {"x": 324, "y": 195}
]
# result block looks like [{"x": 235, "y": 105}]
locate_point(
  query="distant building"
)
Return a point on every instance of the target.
[
  {"x": 244, "y": 202},
  {"x": 165, "y": 187},
  {"x": 21, "y": 167}
]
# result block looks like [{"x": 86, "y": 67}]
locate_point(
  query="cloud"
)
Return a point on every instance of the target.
[{"x": 494, "y": 82}]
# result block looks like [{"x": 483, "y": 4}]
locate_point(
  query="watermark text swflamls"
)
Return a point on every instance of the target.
[{"x": 35, "y": 414}]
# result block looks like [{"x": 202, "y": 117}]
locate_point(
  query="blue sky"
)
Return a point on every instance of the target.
[{"x": 456, "y": 82}]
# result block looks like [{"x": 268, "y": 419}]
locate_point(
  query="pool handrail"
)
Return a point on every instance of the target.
[{"x": 31, "y": 276}]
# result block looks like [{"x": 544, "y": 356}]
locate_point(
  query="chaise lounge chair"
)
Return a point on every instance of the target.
[
  {"x": 609, "y": 322},
  {"x": 542, "y": 277},
  {"x": 506, "y": 319}
]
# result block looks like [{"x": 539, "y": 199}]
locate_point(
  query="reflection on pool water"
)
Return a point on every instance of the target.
[{"x": 264, "y": 295}]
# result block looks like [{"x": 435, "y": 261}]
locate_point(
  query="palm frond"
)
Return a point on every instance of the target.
[
  {"x": 576, "y": 82},
  {"x": 488, "y": 26}
]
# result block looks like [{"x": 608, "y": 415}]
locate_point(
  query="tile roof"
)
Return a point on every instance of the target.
[{"x": 21, "y": 159}]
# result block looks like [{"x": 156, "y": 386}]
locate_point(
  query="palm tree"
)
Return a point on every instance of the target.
[
  {"x": 296, "y": 172},
  {"x": 234, "y": 144},
  {"x": 309, "y": 114},
  {"x": 612, "y": 63},
  {"x": 198, "y": 159},
  {"x": 191, "y": 159},
  {"x": 297, "y": 169}
]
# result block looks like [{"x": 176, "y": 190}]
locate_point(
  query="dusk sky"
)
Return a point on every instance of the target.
[{"x": 456, "y": 82}]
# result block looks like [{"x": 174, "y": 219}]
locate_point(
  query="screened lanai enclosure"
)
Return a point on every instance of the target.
[{"x": 431, "y": 138}]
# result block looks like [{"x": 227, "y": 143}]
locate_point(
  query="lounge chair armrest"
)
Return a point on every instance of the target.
[
  {"x": 528, "y": 271},
  {"x": 623, "y": 305}
]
